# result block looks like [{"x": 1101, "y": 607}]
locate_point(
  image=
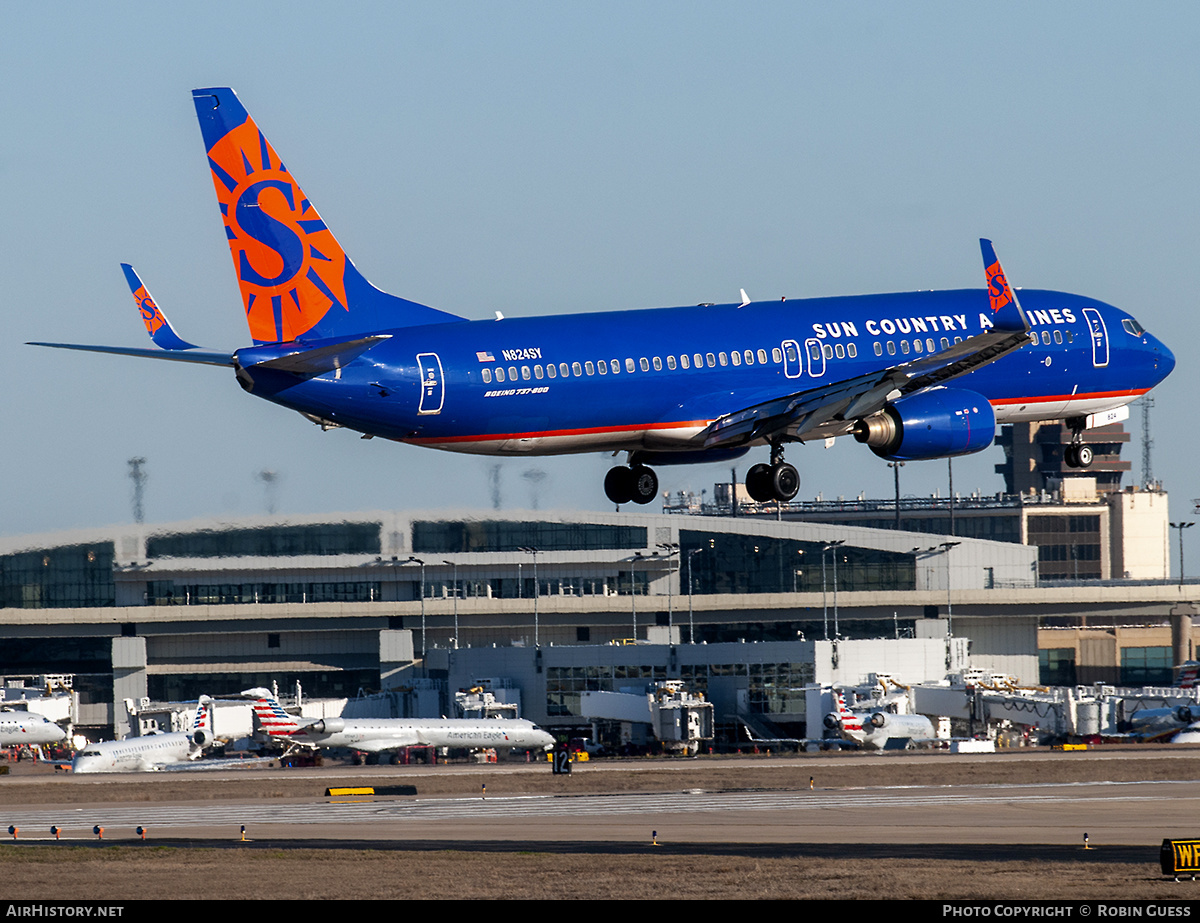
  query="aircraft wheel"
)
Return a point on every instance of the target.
[
  {"x": 1083, "y": 456},
  {"x": 644, "y": 484},
  {"x": 618, "y": 484},
  {"x": 785, "y": 482},
  {"x": 1071, "y": 456},
  {"x": 758, "y": 484}
]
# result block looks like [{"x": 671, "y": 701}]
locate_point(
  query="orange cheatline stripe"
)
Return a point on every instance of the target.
[{"x": 562, "y": 432}]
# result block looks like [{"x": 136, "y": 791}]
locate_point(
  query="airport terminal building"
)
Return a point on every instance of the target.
[{"x": 424, "y": 603}]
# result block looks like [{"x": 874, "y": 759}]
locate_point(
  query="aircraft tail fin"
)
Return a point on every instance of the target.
[
  {"x": 850, "y": 721},
  {"x": 157, "y": 325},
  {"x": 274, "y": 721},
  {"x": 1007, "y": 313},
  {"x": 295, "y": 278},
  {"x": 202, "y": 726}
]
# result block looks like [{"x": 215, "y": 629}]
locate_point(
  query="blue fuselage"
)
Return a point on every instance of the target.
[{"x": 655, "y": 379}]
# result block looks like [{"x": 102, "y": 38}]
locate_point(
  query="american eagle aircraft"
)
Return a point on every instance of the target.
[
  {"x": 151, "y": 752},
  {"x": 383, "y": 735},
  {"x": 877, "y": 729},
  {"x": 914, "y": 375}
]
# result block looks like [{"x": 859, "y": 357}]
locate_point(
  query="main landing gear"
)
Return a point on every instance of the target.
[
  {"x": 776, "y": 481},
  {"x": 638, "y": 484}
]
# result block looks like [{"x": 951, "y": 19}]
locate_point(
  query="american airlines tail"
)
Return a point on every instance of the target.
[
  {"x": 274, "y": 721},
  {"x": 851, "y": 723},
  {"x": 295, "y": 278},
  {"x": 202, "y": 727}
]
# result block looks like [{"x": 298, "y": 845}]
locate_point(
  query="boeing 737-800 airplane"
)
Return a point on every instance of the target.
[
  {"x": 382, "y": 735},
  {"x": 913, "y": 375}
]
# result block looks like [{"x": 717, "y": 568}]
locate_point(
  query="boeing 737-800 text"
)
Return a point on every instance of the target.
[{"x": 913, "y": 375}]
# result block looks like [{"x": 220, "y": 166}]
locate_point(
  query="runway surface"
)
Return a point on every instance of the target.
[{"x": 1109, "y": 813}]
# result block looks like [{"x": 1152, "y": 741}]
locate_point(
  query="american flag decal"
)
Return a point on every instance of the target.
[{"x": 485, "y": 357}]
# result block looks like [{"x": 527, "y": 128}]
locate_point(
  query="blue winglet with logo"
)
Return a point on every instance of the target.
[
  {"x": 1006, "y": 310},
  {"x": 156, "y": 322}
]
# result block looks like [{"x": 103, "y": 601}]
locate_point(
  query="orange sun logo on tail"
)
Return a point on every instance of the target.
[{"x": 290, "y": 268}]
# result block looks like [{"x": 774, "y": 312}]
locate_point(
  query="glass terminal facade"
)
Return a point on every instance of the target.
[
  {"x": 70, "y": 576},
  {"x": 493, "y": 536},
  {"x": 269, "y": 541},
  {"x": 728, "y": 563}
]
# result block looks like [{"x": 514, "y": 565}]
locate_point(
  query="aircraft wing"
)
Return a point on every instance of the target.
[
  {"x": 390, "y": 742},
  {"x": 802, "y": 413},
  {"x": 209, "y": 765}
]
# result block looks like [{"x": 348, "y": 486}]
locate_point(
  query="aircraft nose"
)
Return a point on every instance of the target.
[{"x": 1164, "y": 358}]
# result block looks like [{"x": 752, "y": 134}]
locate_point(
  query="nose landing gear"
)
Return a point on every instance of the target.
[
  {"x": 776, "y": 481},
  {"x": 1077, "y": 455}
]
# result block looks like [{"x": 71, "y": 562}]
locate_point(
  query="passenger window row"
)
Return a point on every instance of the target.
[{"x": 614, "y": 366}]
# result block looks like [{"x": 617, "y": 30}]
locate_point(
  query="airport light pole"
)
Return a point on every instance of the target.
[
  {"x": 945, "y": 548},
  {"x": 691, "y": 622},
  {"x": 637, "y": 556},
  {"x": 454, "y": 564},
  {"x": 670, "y": 548},
  {"x": 1181, "y": 526},
  {"x": 537, "y": 592},
  {"x": 830, "y": 546},
  {"x": 896, "y": 466},
  {"x": 416, "y": 560}
]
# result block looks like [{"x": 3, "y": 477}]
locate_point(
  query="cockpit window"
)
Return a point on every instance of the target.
[{"x": 1133, "y": 327}]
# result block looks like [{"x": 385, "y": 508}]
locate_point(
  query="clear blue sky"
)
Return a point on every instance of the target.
[{"x": 541, "y": 157}]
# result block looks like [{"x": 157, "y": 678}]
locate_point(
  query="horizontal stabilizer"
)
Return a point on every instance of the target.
[
  {"x": 316, "y": 361},
  {"x": 203, "y": 357}
]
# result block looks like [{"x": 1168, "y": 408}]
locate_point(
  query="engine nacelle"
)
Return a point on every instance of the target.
[
  {"x": 937, "y": 423},
  {"x": 329, "y": 726},
  {"x": 203, "y": 738},
  {"x": 833, "y": 722},
  {"x": 879, "y": 720}
]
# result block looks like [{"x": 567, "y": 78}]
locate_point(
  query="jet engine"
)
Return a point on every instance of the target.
[
  {"x": 328, "y": 726},
  {"x": 1185, "y": 714},
  {"x": 833, "y": 722},
  {"x": 203, "y": 738},
  {"x": 936, "y": 423}
]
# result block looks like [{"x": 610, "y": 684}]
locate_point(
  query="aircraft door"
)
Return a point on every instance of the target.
[
  {"x": 1099, "y": 334},
  {"x": 793, "y": 361},
  {"x": 433, "y": 391},
  {"x": 816, "y": 357}
]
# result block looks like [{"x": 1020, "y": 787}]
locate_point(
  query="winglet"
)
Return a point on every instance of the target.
[
  {"x": 1006, "y": 310},
  {"x": 157, "y": 325}
]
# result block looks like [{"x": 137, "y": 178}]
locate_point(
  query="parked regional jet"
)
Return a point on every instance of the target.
[
  {"x": 380, "y": 735},
  {"x": 152, "y": 752},
  {"x": 877, "y": 730},
  {"x": 914, "y": 375},
  {"x": 21, "y": 728}
]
